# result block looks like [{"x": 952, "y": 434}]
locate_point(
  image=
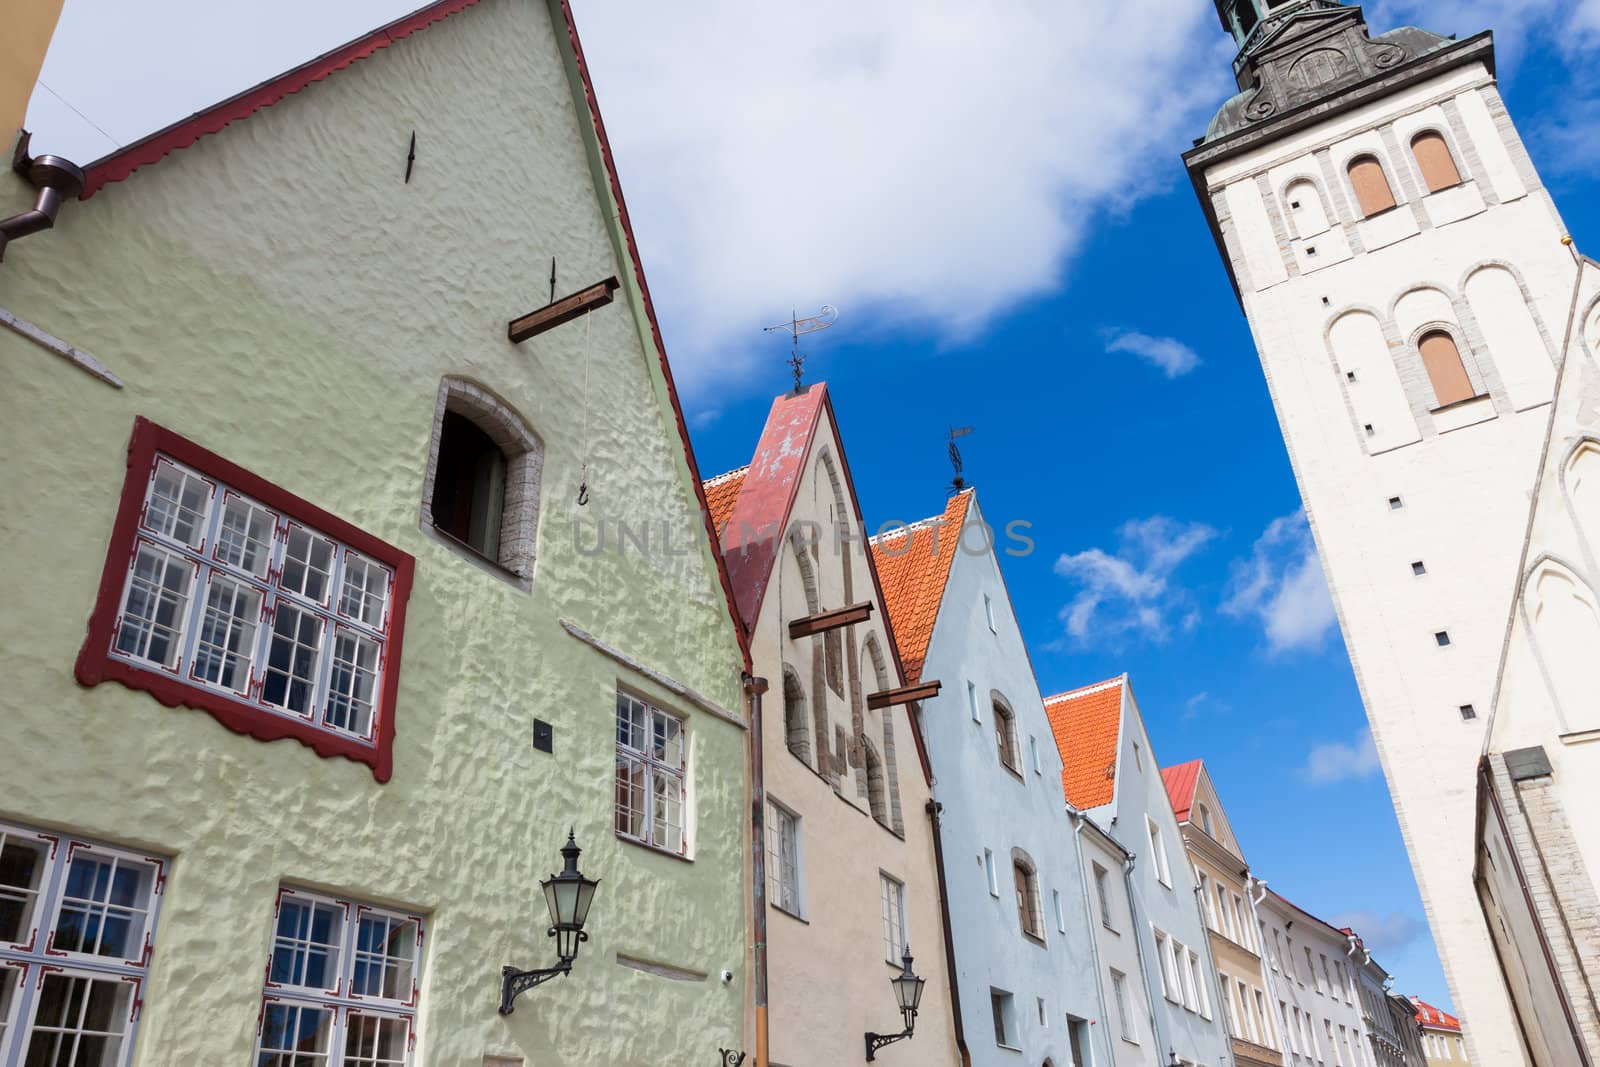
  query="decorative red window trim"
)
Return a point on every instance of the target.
[{"x": 96, "y": 664}]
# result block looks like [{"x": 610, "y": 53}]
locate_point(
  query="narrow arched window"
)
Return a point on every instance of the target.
[
  {"x": 1371, "y": 186},
  {"x": 1027, "y": 885},
  {"x": 1442, "y": 360},
  {"x": 796, "y": 728},
  {"x": 877, "y": 785},
  {"x": 1305, "y": 209},
  {"x": 1005, "y": 731},
  {"x": 1434, "y": 160},
  {"x": 482, "y": 485}
]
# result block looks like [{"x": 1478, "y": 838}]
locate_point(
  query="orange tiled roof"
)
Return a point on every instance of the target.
[
  {"x": 1435, "y": 1018},
  {"x": 913, "y": 576},
  {"x": 1087, "y": 723},
  {"x": 722, "y": 493},
  {"x": 1181, "y": 782}
]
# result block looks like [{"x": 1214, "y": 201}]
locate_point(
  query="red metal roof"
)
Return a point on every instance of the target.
[
  {"x": 1181, "y": 782},
  {"x": 1087, "y": 723},
  {"x": 914, "y": 567},
  {"x": 1435, "y": 1018},
  {"x": 123, "y": 162}
]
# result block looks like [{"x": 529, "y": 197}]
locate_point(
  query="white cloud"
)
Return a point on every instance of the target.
[
  {"x": 1283, "y": 587},
  {"x": 1130, "y": 591},
  {"x": 922, "y": 164},
  {"x": 1337, "y": 761},
  {"x": 1171, "y": 356},
  {"x": 1382, "y": 934}
]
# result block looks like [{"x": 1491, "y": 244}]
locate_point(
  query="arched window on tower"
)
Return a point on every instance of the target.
[
  {"x": 1566, "y": 627},
  {"x": 1371, "y": 186},
  {"x": 1442, "y": 360},
  {"x": 796, "y": 727},
  {"x": 1438, "y": 166},
  {"x": 1305, "y": 209}
]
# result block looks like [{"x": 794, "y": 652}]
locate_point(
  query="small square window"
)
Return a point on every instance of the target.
[
  {"x": 1326, "y": 302},
  {"x": 1350, "y": 376},
  {"x": 1395, "y": 503},
  {"x": 1468, "y": 713},
  {"x": 1443, "y": 638},
  {"x": 1419, "y": 568},
  {"x": 1370, "y": 431},
  {"x": 1311, "y": 251}
]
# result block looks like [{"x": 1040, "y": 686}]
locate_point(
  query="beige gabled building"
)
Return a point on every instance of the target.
[
  {"x": 1222, "y": 876},
  {"x": 843, "y": 792}
]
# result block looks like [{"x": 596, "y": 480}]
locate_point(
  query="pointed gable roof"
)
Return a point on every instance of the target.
[
  {"x": 124, "y": 161},
  {"x": 1181, "y": 782},
  {"x": 1087, "y": 723},
  {"x": 914, "y": 568}
]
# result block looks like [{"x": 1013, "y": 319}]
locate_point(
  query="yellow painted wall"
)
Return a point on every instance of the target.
[
  {"x": 278, "y": 294},
  {"x": 25, "y": 29}
]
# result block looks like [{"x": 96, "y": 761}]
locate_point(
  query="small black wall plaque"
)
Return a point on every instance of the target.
[{"x": 543, "y": 736}]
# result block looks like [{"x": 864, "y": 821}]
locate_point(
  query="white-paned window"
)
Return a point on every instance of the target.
[
  {"x": 1103, "y": 894},
  {"x": 783, "y": 858},
  {"x": 652, "y": 768},
  {"x": 1205, "y": 899},
  {"x": 1249, "y": 1015},
  {"x": 1201, "y": 993},
  {"x": 233, "y": 597},
  {"x": 342, "y": 984},
  {"x": 989, "y": 872},
  {"x": 893, "y": 896},
  {"x": 1170, "y": 986},
  {"x": 988, "y": 613},
  {"x": 1158, "y": 853},
  {"x": 1230, "y": 1011},
  {"x": 77, "y": 922},
  {"x": 1187, "y": 976},
  {"x": 1119, "y": 992},
  {"x": 1265, "y": 1016},
  {"x": 1061, "y": 915}
]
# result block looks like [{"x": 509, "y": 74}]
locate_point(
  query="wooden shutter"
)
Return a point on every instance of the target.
[
  {"x": 1442, "y": 359},
  {"x": 1371, "y": 186},
  {"x": 1438, "y": 166}
]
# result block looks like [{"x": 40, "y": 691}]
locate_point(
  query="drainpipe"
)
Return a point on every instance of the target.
[
  {"x": 753, "y": 688},
  {"x": 56, "y": 179},
  {"x": 1138, "y": 943},
  {"x": 1078, "y": 820},
  {"x": 934, "y": 808}
]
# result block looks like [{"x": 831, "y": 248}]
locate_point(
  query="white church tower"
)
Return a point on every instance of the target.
[{"x": 1401, "y": 266}]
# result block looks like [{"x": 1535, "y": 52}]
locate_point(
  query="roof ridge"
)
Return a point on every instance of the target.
[
  {"x": 909, "y": 528},
  {"x": 718, "y": 479},
  {"x": 1087, "y": 689}
]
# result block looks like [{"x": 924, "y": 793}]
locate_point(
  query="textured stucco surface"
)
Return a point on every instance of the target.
[
  {"x": 278, "y": 295},
  {"x": 988, "y": 806}
]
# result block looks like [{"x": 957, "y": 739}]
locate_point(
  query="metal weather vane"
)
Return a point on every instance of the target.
[
  {"x": 797, "y": 328},
  {"x": 957, "y": 483}
]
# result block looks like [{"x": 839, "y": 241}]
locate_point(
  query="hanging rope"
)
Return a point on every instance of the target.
[{"x": 583, "y": 476}]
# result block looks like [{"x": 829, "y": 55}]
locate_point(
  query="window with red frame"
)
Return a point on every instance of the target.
[{"x": 226, "y": 593}]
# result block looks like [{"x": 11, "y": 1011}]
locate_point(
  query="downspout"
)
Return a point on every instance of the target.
[
  {"x": 56, "y": 179},
  {"x": 753, "y": 688},
  {"x": 1078, "y": 819},
  {"x": 934, "y": 808},
  {"x": 1256, "y": 894},
  {"x": 1138, "y": 943}
]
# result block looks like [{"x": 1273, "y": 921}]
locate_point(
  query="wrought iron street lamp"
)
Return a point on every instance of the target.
[
  {"x": 908, "y": 994},
  {"x": 568, "y": 895}
]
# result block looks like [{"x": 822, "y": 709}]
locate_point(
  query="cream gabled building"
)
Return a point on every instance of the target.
[
  {"x": 1400, "y": 263},
  {"x": 844, "y": 794},
  {"x": 1223, "y": 876}
]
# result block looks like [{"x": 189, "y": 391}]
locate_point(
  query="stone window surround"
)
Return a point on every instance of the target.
[
  {"x": 1549, "y": 562},
  {"x": 524, "y": 453}
]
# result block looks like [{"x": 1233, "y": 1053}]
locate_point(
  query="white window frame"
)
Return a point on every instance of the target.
[
  {"x": 201, "y": 555},
  {"x": 972, "y": 702},
  {"x": 35, "y": 959},
  {"x": 1101, "y": 878},
  {"x": 988, "y": 613},
  {"x": 990, "y": 873},
  {"x": 1171, "y": 982},
  {"x": 1119, "y": 991},
  {"x": 657, "y": 768},
  {"x": 342, "y": 1001},
  {"x": 785, "y": 844},
  {"x": 1033, "y": 753},
  {"x": 1230, "y": 1008},
  {"x": 1061, "y": 915},
  {"x": 892, "y": 897},
  {"x": 1003, "y": 1006},
  {"x": 1158, "y": 849}
]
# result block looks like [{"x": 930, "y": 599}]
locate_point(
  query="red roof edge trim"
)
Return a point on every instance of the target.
[
  {"x": 124, "y": 161},
  {"x": 655, "y": 326}
]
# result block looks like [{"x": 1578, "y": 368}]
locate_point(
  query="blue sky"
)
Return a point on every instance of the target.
[{"x": 993, "y": 196}]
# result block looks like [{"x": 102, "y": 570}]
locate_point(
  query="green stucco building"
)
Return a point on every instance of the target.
[{"x": 312, "y": 656}]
